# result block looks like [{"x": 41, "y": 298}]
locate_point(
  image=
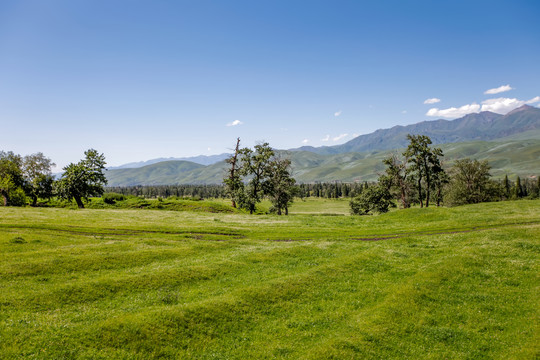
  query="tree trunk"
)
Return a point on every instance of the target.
[
  {"x": 404, "y": 202},
  {"x": 428, "y": 185},
  {"x": 233, "y": 167},
  {"x": 286, "y": 210},
  {"x": 420, "y": 192},
  {"x": 5, "y": 196},
  {"x": 79, "y": 202},
  {"x": 34, "y": 200}
]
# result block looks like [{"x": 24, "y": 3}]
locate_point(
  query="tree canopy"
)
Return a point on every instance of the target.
[{"x": 84, "y": 179}]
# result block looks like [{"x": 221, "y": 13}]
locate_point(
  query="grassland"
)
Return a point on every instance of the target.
[{"x": 452, "y": 283}]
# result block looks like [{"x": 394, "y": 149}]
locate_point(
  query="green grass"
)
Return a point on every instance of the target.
[
  {"x": 171, "y": 203},
  {"x": 441, "y": 283}
]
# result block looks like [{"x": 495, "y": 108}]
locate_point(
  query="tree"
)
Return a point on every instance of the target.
[
  {"x": 375, "y": 198},
  {"x": 506, "y": 186},
  {"x": 425, "y": 163},
  {"x": 470, "y": 182},
  {"x": 280, "y": 185},
  {"x": 397, "y": 180},
  {"x": 440, "y": 180},
  {"x": 36, "y": 169},
  {"x": 518, "y": 190},
  {"x": 11, "y": 178},
  {"x": 233, "y": 182},
  {"x": 255, "y": 163},
  {"x": 84, "y": 179}
]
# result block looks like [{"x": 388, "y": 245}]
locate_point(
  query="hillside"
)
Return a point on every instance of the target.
[{"x": 166, "y": 172}]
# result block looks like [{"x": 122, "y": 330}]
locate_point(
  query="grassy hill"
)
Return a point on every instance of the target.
[
  {"x": 165, "y": 172},
  {"x": 435, "y": 283}
]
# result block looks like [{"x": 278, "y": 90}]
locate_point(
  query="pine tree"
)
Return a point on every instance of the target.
[
  {"x": 518, "y": 190},
  {"x": 506, "y": 185}
]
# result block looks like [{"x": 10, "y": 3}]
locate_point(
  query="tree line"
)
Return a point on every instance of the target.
[
  {"x": 30, "y": 176},
  {"x": 165, "y": 191}
]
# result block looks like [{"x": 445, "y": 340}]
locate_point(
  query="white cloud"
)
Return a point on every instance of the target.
[
  {"x": 356, "y": 135},
  {"x": 498, "y": 90},
  {"x": 534, "y": 100},
  {"x": 454, "y": 112},
  {"x": 339, "y": 137},
  {"x": 305, "y": 141},
  {"x": 404, "y": 112},
  {"x": 337, "y": 113},
  {"x": 497, "y": 105},
  {"x": 326, "y": 138},
  {"x": 432, "y": 101},
  {"x": 234, "y": 123},
  {"x": 501, "y": 105},
  {"x": 209, "y": 149},
  {"x": 505, "y": 105}
]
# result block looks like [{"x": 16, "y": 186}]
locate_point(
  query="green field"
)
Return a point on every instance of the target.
[{"x": 436, "y": 283}]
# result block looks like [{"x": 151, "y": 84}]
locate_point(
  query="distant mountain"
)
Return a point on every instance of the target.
[
  {"x": 511, "y": 144},
  {"x": 201, "y": 159},
  {"x": 481, "y": 126},
  {"x": 511, "y": 157}
]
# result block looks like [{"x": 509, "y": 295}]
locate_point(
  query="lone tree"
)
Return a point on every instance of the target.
[
  {"x": 234, "y": 186},
  {"x": 255, "y": 163},
  {"x": 36, "y": 169},
  {"x": 425, "y": 163},
  {"x": 267, "y": 175},
  {"x": 11, "y": 178},
  {"x": 84, "y": 179}
]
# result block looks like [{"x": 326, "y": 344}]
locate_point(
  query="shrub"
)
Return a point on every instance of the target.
[
  {"x": 18, "y": 240},
  {"x": 17, "y": 197},
  {"x": 373, "y": 199},
  {"x": 112, "y": 198}
]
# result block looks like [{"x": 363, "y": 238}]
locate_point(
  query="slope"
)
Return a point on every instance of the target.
[{"x": 166, "y": 172}]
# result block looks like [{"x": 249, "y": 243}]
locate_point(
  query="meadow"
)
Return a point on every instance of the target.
[{"x": 432, "y": 283}]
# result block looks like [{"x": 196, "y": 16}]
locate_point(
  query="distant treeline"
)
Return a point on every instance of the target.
[
  {"x": 165, "y": 191},
  {"x": 329, "y": 190}
]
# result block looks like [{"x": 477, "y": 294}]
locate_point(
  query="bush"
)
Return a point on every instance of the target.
[
  {"x": 373, "y": 199},
  {"x": 17, "y": 197},
  {"x": 112, "y": 198}
]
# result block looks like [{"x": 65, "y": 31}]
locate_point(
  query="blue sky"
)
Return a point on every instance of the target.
[{"x": 144, "y": 79}]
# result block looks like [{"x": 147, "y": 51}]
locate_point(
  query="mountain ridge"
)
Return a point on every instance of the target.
[{"x": 476, "y": 126}]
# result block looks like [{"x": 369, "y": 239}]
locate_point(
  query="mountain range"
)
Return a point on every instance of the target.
[
  {"x": 511, "y": 143},
  {"x": 201, "y": 159}
]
